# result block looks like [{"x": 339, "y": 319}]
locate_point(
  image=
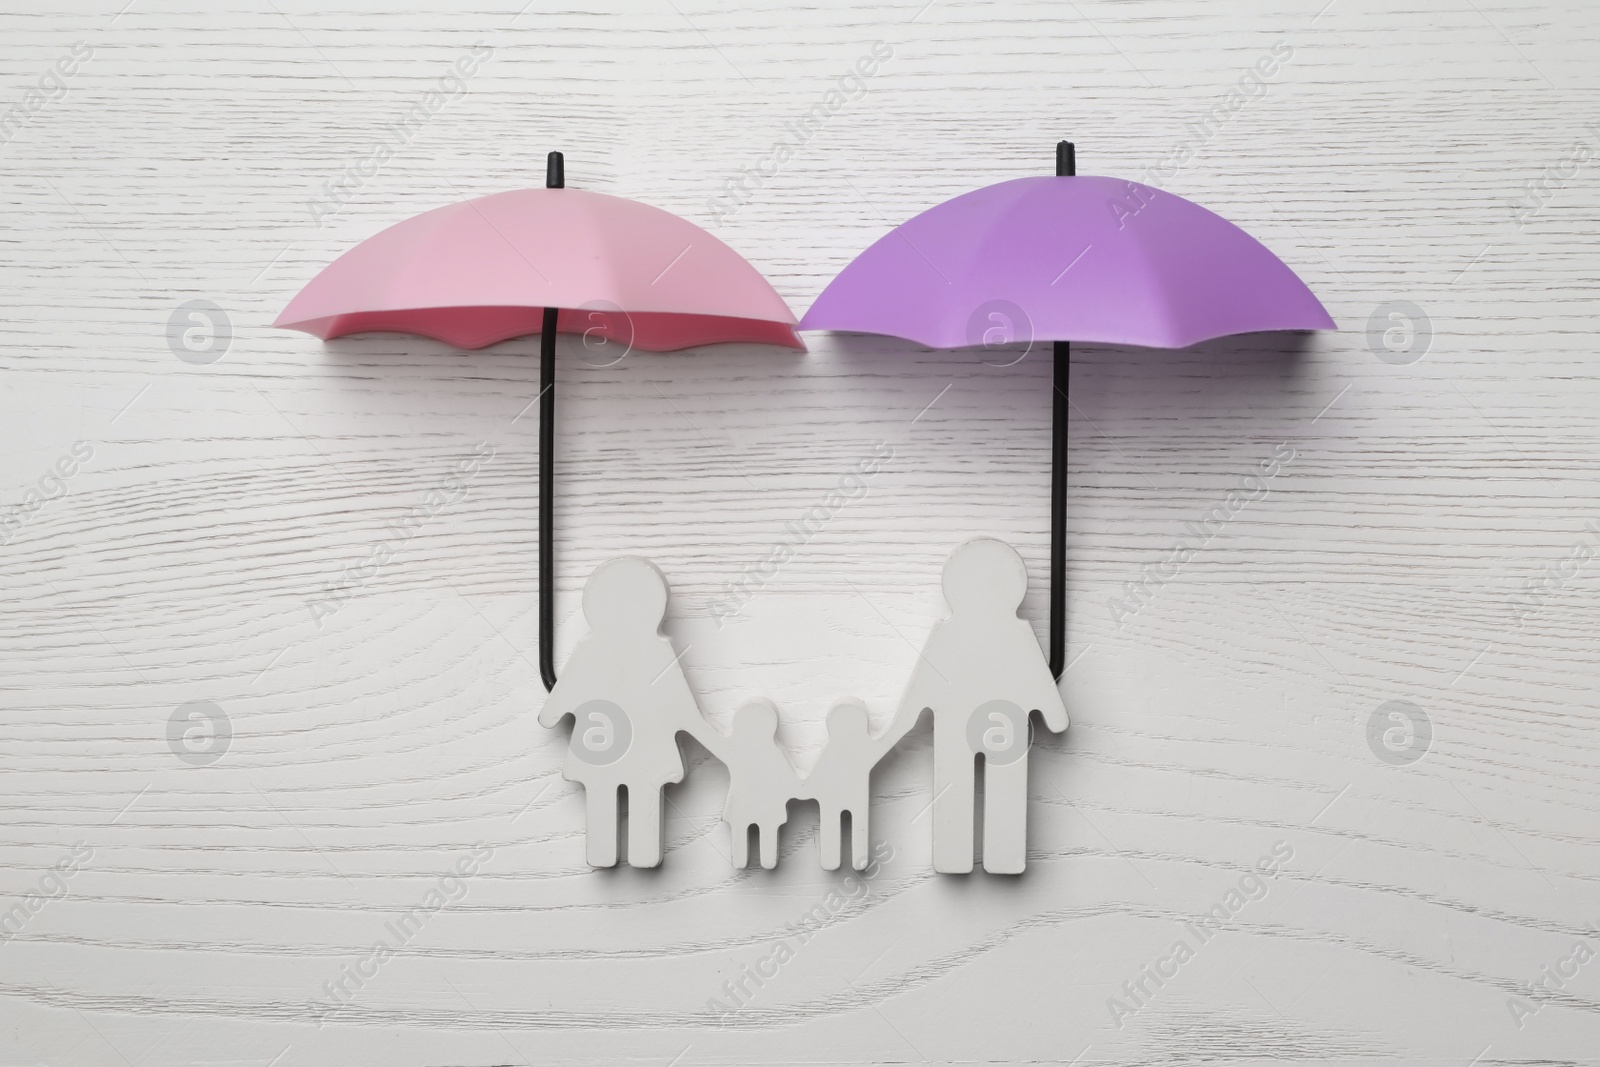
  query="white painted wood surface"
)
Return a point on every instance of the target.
[{"x": 370, "y": 755}]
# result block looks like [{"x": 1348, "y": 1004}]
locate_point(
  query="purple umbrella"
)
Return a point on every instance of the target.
[{"x": 1066, "y": 259}]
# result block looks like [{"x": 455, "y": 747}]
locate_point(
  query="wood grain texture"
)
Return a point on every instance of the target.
[{"x": 1389, "y": 561}]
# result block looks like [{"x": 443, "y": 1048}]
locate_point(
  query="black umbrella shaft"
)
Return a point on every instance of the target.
[
  {"x": 1058, "y": 510},
  {"x": 547, "y": 486},
  {"x": 555, "y": 177},
  {"x": 1066, "y": 167}
]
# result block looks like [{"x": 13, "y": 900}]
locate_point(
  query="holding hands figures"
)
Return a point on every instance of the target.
[
  {"x": 982, "y": 675},
  {"x": 761, "y": 781}
]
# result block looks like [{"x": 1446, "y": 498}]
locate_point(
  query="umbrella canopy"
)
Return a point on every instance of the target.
[
  {"x": 479, "y": 272},
  {"x": 1064, "y": 259},
  {"x": 546, "y": 261},
  {"x": 1085, "y": 259}
]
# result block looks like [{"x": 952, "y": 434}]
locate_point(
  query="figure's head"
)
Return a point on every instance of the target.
[
  {"x": 847, "y": 718},
  {"x": 756, "y": 717},
  {"x": 625, "y": 594},
  {"x": 985, "y": 575}
]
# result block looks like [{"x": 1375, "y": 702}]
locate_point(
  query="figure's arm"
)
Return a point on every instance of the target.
[
  {"x": 1039, "y": 689},
  {"x": 685, "y": 712},
  {"x": 878, "y": 747},
  {"x": 919, "y": 696},
  {"x": 557, "y": 706},
  {"x": 1055, "y": 714}
]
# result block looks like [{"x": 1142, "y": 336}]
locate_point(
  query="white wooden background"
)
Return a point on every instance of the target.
[{"x": 370, "y": 753}]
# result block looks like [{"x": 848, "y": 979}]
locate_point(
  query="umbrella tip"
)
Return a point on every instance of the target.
[
  {"x": 1066, "y": 159},
  {"x": 555, "y": 175}
]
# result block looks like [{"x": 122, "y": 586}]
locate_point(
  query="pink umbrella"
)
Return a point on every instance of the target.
[
  {"x": 546, "y": 261},
  {"x": 1066, "y": 259}
]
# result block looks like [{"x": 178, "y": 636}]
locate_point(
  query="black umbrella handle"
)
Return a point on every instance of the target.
[
  {"x": 1058, "y": 509},
  {"x": 1066, "y": 167},
  {"x": 554, "y": 178},
  {"x": 547, "y": 440}
]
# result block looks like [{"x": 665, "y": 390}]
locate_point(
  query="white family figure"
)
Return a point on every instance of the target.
[
  {"x": 981, "y": 673},
  {"x": 629, "y": 700},
  {"x": 761, "y": 781},
  {"x": 841, "y": 782}
]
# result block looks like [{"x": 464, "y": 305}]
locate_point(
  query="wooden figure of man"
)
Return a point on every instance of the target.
[{"x": 981, "y": 674}]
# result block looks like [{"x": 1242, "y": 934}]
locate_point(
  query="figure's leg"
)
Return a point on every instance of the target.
[
  {"x": 769, "y": 845},
  {"x": 828, "y": 838},
  {"x": 601, "y": 803},
  {"x": 953, "y": 786},
  {"x": 1005, "y": 817},
  {"x": 645, "y": 832},
  {"x": 741, "y": 843}
]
